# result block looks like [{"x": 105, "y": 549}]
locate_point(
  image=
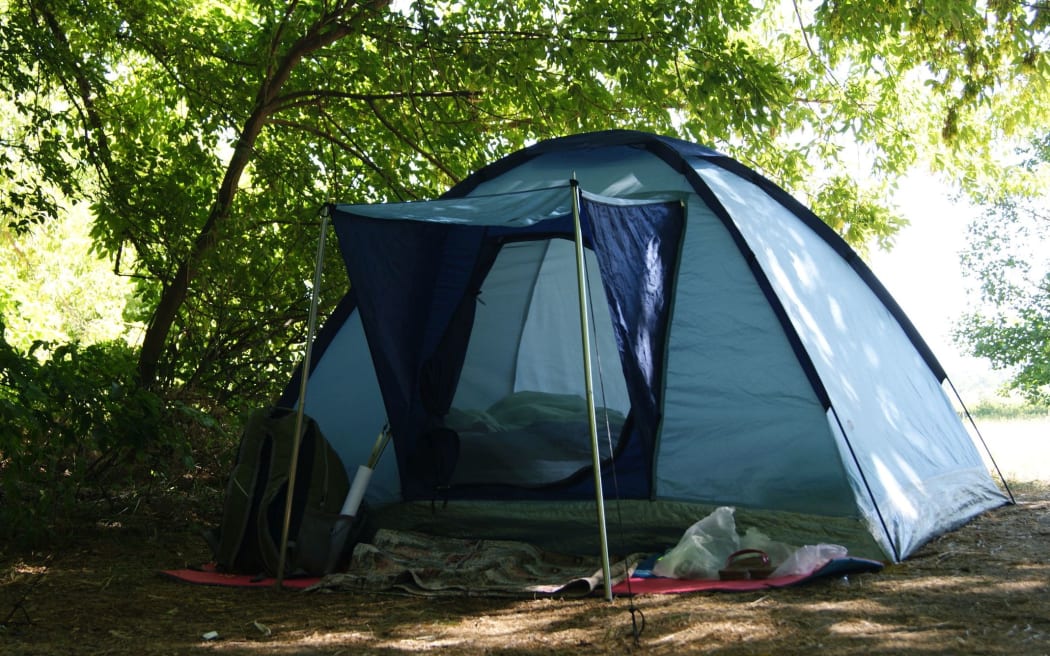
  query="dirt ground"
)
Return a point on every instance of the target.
[{"x": 984, "y": 589}]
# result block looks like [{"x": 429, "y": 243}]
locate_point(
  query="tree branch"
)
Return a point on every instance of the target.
[
  {"x": 99, "y": 148},
  {"x": 809, "y": 46},
  {"x": 327, "y": 30},
  {"x": 394, "y": 130},
  {"x": 347, "y": 146},
  {"x": 311, "y": 97}
]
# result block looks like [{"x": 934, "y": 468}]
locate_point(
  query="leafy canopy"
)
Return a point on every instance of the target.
[
  {"x": 207, "y": 134},
  {"x": 1008, "y": 261}
]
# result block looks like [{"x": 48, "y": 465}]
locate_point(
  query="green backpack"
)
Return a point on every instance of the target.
[{"x": 248, "y": 539}]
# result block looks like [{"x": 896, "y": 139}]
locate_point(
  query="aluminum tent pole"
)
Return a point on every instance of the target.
[
  {"x": 311, "y": 328},
  {"x": 581, "y": 278}
]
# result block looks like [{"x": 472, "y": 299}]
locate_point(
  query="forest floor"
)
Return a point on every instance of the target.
[{"x": 983, "y": 589}]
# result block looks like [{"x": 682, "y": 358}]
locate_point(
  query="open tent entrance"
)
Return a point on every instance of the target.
[
  {"x": 521, "y": 385},
  {"x": 476, "y": 328}
]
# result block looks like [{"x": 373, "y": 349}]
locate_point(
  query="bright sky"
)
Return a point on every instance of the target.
[{"x": 924, "y": 275}]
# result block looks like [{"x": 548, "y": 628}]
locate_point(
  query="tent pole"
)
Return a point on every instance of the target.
[
  {"x": 293, "y": 465},
  {"x": 581, "y": 278},
  {"x": 977, "y": 432}
]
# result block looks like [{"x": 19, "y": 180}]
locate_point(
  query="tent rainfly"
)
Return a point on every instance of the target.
[{"x": 743, "y": 355}]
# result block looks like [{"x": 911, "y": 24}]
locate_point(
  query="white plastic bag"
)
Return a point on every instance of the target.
[
  {"x": 703, "y": 549},
  {"x": 778, "y": 552},
  {"x": 809, "y": 559}
]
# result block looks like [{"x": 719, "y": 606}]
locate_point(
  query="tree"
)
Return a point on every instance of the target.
[
  {"x": 1008, "y": 258},
  {"x": 207, "y": 134},
  {"x": 52, "y": 266}
]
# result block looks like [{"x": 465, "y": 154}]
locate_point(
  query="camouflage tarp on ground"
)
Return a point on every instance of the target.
[{"x": 427, "y": 565}]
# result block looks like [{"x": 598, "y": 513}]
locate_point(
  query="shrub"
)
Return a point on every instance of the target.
[
  {"x": 1006, "y": 411},
  {"x": 71, "y": 417}
]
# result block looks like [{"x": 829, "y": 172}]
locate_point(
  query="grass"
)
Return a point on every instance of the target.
[
  {"x": 1021, "y": 447},
  {"x": 1005, "y": 411}
]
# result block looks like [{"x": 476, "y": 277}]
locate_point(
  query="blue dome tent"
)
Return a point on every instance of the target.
[{"x": 743, "y": 355}]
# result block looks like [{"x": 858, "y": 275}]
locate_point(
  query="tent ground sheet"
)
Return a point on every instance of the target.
[
  {"x": 426, "y": 565},
  {"x": 643, "y": 582},
  {"x": 209, "y": 575}
]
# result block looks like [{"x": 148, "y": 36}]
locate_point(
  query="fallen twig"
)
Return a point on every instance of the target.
[{"x": 20, "y": 603}]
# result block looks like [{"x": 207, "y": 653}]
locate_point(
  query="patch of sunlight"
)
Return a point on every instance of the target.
[
  {"x": 814, "y": 333},
  {"x": 853, "y": 606},
  {"x": 290, "y": 645},
  {"x": 624, "y": 187},
  {"x": 924, "y": 584},
  {"x": 425, "y": 643},
  {"x": 861, "y": 627},
  {"x": 898, "y": 497},
  {"x": 1033, "y": 585},
  {"x": 729, "y": 631},
  {"x": 900, "y": 637},
  {"x": 839, "y": 317}
]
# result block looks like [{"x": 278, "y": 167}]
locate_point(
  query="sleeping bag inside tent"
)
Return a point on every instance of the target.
[{"x": 743, "y": 355}]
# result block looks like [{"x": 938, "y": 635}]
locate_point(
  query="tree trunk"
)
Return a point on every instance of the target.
[
  {"x": 327, "y": 30},
  {"x": 173, "y": 295}
]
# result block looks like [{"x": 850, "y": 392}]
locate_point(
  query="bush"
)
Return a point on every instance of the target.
[
  {"x": 1003, "y": 411},
  {"x": 70, "y": 420}
]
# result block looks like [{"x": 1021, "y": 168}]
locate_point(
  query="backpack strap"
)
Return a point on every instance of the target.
[
  {"x": 240, "y": 501},
  {"x": 270, "y": 518},
  {"x": 326, "y": 485},
  {"x": 321, "y": 484},
  {"x": 249, "y": 538}
]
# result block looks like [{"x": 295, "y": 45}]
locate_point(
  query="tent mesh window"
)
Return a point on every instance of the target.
[{"x": 519, "y": 408}]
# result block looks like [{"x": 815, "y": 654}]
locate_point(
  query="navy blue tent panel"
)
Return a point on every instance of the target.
[
  {"x": 418, "y": 283},
  {"x": 638, "y": 248}
]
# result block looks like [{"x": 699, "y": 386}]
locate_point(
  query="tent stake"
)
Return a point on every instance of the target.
[
  {"x": 581, "y": 279},
  {"x": 293, "y": 465}
]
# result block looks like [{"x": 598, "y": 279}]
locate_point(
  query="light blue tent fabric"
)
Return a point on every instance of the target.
[{"x": 748, "y": 357}]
